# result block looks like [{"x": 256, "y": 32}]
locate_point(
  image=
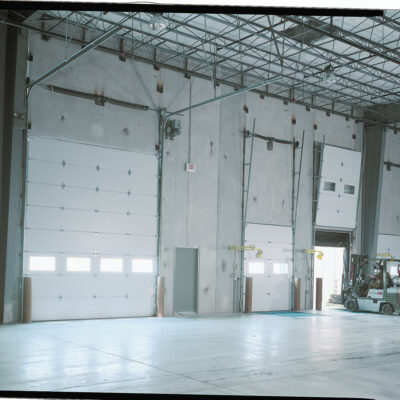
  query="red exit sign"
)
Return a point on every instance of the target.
[{"x": 190, "y": 167}]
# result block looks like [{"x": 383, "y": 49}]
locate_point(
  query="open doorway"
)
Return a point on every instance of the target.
[
  {"x": 330, "y": 269},
  {"x": 335, "y": 246}
]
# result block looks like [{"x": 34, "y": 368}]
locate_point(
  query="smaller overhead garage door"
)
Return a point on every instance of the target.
[
  {"x": 389, "y": 244},
  {"x": 272, "y": 272},
  {"x": 339, "y": 186},
  {"x": 90, "y": 230}
]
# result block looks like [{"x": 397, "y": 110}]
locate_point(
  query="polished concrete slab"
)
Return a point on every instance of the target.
[{"x": 333, "y": 353}]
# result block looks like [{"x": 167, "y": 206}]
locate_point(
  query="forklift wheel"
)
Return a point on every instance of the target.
[
  {"x": 387, "y": 309},
  {"x": 351, "y": 304}
]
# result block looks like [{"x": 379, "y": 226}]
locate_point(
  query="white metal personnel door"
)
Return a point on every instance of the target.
[
  {"x": 339, "y": 185},
  {"x": 90, "y": 230},
  {"x": 272, "y": 272}
]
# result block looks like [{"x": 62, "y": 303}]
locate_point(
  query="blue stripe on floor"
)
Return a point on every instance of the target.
[{"x": 288, "y": 313}]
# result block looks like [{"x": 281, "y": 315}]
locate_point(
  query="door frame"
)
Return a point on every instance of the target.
[{"x": 197, "y": 279}]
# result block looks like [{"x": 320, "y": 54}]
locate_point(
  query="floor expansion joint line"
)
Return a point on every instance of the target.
[{"x": 125, "y": 358}]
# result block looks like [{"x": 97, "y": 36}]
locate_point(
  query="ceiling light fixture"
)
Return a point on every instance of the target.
[
  {"x": 328, "y": 74},
  {"x": 157, "y": 22}
]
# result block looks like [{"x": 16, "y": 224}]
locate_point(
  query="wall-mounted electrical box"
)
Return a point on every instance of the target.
[
  {"x": 189, "y": 167},
  {"x": 173, "y": 128}
]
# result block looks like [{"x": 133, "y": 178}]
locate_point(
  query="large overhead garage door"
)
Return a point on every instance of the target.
[
  {"x": 272, "y": 272},
  {"x": 90, "y": 230}
]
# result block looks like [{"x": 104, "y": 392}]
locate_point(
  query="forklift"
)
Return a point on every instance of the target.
[{"x": 355, "y": 293}]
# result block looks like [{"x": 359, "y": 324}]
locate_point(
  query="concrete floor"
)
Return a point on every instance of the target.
[{"x": 333, "y": 353}]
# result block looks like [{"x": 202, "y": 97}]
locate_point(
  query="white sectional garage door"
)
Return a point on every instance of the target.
[
  {"x": 272, "y": 272},
  {"x": 90, "y": 230},
  {"x": 338, "y": 192},
  {"x": 389, "y": 244}
]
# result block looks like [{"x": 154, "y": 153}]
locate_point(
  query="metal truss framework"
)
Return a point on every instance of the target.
[{"x": 242, "y": 49}]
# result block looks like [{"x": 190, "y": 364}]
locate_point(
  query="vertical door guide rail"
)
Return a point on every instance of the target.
[
  {"x": 316, "y": 210},
  {"x": 24, "y": 175},
  {"x": 249, "y": 172},
  {"x": 292, "y": 220},
  {"x": 292, "y": 214},
  {"x": 159, "y": 207},
  {"x": 245, "y": 199},
  {"x": 319, "y": 177},
  {"x": 295, "y": 202},
  {"x": 361, "y": 176},
  {"x": 241, "y": 277}
]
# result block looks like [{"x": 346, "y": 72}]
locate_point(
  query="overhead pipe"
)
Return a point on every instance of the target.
[
  {"x": 98, "y": 99},
  {"x": 270, "y": 138},
  {"x": 390, "y": 164},
  {"x": 224, "y": 96}
]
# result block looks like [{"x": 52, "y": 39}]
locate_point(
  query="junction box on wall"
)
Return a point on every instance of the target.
[{"x": 172, "y": 128}]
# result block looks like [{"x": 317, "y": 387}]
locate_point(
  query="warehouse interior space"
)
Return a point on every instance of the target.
[{"x": 196, "y": 200}]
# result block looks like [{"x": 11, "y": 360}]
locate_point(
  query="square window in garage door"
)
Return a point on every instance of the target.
[
  {"x": 42, "y": 263},
  {"x": 281, "y": 268},
  {"x": 256, "y": 267}
]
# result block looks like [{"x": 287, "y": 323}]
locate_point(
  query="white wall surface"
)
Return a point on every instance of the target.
[{"x": 201, "y": 209}]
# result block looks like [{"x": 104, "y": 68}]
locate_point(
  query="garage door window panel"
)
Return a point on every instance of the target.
[
  {"x": 329, "y": 186},
  {"x": 349, "y": 189},
  {"x": 256, "y": 267},
  {"x": 281, "y": 268},
  {"x": 42, "y": 264}
]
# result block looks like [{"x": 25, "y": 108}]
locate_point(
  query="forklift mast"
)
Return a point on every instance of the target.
[{"x": 351, "y": 274}]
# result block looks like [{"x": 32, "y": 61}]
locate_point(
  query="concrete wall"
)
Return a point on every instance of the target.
[
  {"x": 12, "y": 78},
  {"x": 3, "y": 184},
  {"x": 201, "y": 209},
  {"x": 14, "y": 272},
  {"x": 389, "y": 222}
]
